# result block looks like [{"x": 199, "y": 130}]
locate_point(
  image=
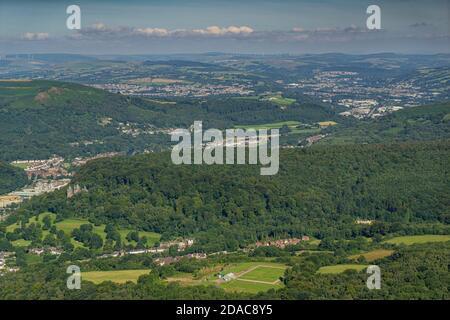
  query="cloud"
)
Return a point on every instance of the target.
[
  {"x": 218, "y": 31},
  {"x": 100, "y": 30},
  {"x": 35, "y": 36},
  {"x": 159, "y": 32}
]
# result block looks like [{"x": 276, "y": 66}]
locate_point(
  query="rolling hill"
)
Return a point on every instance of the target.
[
  {"x": 42, "y": 118},
  {"x": 319, "y": 191}
]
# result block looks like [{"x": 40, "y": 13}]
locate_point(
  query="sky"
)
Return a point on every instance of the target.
[{"x": 243, "y": 26}]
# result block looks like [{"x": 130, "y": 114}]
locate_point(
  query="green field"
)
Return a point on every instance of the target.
[
  {"x": 408, "y": 240},
  {"x": 21, "y": 243},
  {"x": 248, "y": 287},
  {"x": 341, "y": 268},
  {"x": 275, "y": 125},
  {"x": 281, "y": 101},
  {"x": 254, "y": 277},
  {"x": 251, "y": 277},
  {"x": 117, "y": 276},
  {"x": 373, "y": 255},
  {"x": 264, "y": 273}
]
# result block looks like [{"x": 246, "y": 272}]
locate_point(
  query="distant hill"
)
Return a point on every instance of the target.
[
  {"x": 182, "y": 63},
  {"x": 11, "y": 178},
  {"x": 51, "y": 57},
  {"x": 42, "y": 118}
]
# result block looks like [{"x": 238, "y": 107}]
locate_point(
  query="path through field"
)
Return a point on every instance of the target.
[{"x": 258, "y": 281}]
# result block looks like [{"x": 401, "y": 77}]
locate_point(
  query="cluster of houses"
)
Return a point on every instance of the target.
[
  {"x": 163, "y": 246},
  {"x": 181, "y": 244},
  {"x": 281, "y": 243},
  {"x": 8, "y": 200},
  {"x": 4, "y": 255},
  {"x": 169, "y": 260},
  {"x": 47, "y": 250},
  {"x": 79, "y": 161},
  {"x": 364, "y": 221},
  {"x": 50, "y": 168}
]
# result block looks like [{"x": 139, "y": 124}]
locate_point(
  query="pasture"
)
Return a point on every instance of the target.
[
  {"x": 280, "y": 100},
  {"x": 373, "y": 255},
  {"x": 117, "y": 276},
  {"x": 409, "y": 240},
  {"x": 339, "y": 268},
  {"x": 249, "y": 287},
  {"x": 250, "y": 277}
]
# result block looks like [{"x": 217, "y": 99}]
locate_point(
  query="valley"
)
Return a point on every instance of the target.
[{"x": 86, "y": 177}]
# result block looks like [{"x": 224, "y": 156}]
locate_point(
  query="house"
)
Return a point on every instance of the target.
[
  {"x": 37, "y": 251},
  {"x": 196, "y": 256},
  {"x": 282, "y": 243},
  {"x": 228, "y": 277},
  {"x": 166, "y": 260},
  {"x": 366, "y": 222}
]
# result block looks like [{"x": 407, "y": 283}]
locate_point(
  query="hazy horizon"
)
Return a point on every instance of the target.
[{"x": 248, "y": 27}]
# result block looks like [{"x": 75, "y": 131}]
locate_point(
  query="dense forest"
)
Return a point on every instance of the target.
[
  {"x": 11, "y": 178},
  {"x": 318, "y": 191}
]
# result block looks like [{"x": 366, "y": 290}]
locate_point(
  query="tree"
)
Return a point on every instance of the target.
[
  {"x": 49, "y": 240},
  {"x": 95, "y": 242},
  {"x": 47, "y": 223}
]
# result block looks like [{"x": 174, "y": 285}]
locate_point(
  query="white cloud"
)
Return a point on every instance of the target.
[
  {"x": 298, "y": 29},
  {"x": 102, "y": 30},
  {"x": 218, "y": 31},
  {"x": 160, "y": 32},
  {"x": 35, "y": 36}
]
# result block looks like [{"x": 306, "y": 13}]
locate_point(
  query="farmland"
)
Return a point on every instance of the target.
[
  {"x": 339, "y": 268},
  {"x": 249, "y": 287},
  {"x": 409, "y": 240},
  {"x": 117, "y": 276},
  {"x": 250, "y": 277},
  {"x": 373, "y": 255},
  {"x": 280, "y": 100}
]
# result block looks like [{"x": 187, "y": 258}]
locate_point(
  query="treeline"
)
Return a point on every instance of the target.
[{"x": 318, "y": 192}]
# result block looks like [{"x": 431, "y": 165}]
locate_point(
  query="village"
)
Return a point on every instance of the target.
[
  {"x": 44, "y": 176},
  {"x": 181, "y": 245}
]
